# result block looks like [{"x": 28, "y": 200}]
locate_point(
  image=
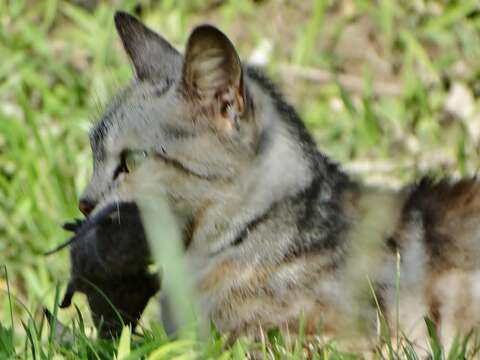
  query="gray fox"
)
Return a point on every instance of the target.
[{"x": 273, "y": 230}]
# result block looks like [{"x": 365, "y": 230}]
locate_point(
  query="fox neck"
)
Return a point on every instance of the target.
[{"x": 281, "y": 171}]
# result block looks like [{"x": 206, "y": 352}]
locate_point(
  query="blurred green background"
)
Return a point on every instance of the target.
[{"x": 389, "y": 88}]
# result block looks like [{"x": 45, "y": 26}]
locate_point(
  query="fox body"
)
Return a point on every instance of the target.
[{"x": 274, "y": 231}]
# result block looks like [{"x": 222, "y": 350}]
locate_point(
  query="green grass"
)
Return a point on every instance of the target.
[{"x": 370, "y": 79}]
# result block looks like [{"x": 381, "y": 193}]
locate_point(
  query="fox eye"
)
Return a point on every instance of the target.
[
  {"x": 129, "y": 161},
  {"x": 133, "y": 158}
]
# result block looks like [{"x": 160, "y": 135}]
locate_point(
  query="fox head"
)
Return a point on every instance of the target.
[{"x": 191, "y": 126}]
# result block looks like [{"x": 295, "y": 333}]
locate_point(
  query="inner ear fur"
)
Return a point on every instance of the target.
[{"x": 212, "y": 72}]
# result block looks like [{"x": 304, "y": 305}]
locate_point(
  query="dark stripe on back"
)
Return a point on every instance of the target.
[
  {"x": 250, "y": 227},
  {"x": 437, "y": 201}
]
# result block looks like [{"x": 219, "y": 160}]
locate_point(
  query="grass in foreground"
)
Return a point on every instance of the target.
[
  {"x": 50, "y": 339},
  {"x": 406, "y": 103}
]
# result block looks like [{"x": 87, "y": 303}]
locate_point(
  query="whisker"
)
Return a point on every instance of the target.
[{"x": 86, "y": 226}]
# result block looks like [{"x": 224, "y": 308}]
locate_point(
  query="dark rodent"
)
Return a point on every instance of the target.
[{"x": 109, "y": 258}]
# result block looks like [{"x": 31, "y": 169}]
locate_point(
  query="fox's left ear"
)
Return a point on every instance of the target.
[
  {"x": 152, "y": 56},
  {"x": 212, "y": 72}
]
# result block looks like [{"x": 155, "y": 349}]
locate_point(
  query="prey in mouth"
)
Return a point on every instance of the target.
[{"x": 109, "y": 258}]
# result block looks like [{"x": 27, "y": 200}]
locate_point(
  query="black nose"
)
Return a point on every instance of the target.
[{"x": 86, "y": 206}]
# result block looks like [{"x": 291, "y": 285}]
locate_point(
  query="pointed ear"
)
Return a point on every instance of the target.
[
  {"x": 152, "y": 56},
  {"x": 212, "y": 71}
]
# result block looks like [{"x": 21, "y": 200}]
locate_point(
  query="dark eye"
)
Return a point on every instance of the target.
[{"x": 129, "y": 161}]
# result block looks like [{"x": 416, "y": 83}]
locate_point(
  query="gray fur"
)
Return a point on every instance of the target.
[
  {"x": 151, "y": 55},
  {"x": 275, "y": 229}
]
